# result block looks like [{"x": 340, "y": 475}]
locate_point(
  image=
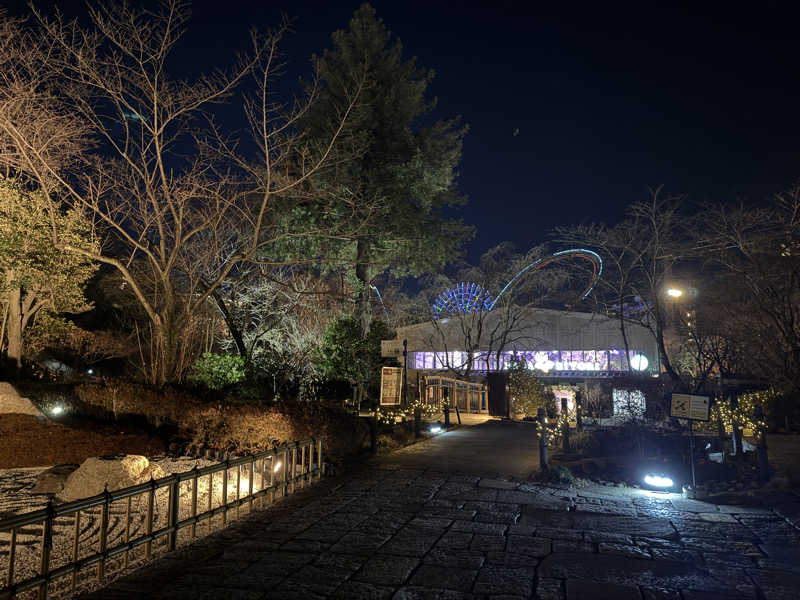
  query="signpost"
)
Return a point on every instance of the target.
[
  {"x": 391, "y": 386},
  {"x": 692, "y": 408}
]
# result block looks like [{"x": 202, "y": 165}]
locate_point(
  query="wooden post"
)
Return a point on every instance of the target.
[
  {"x": 542, "y": 418},
  {"x": 761, "y": 446},
  {"x": 579, "y": 410},
  {"x": 565, "y": 426},
  {"x": 736, "y": 433},
  {"x": 373, "y": 433}
]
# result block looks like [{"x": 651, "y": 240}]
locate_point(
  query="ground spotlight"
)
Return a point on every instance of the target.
[
  {"x": 435, "y": 428},
  {"x": 658, "y": 481},
  {"x": 57, "y": 410}
]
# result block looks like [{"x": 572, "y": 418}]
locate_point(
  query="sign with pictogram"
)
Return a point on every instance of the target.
[{"x": 688, "y": 406}]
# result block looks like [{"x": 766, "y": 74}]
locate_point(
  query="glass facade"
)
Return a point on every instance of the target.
[{"x": 545, "y": 361}]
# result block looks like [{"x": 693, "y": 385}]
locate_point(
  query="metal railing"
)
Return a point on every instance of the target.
[{"x": 104, "y": 534}]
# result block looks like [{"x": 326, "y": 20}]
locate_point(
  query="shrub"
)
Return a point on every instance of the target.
[
  {"x": 527, "y": 391},
  {"x": 218, "y": 371}
]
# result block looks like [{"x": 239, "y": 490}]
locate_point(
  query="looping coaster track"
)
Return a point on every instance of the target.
[{"x": 466, "y": 298}]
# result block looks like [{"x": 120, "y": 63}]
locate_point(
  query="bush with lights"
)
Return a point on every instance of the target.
[{"x": 744, "y": 415}]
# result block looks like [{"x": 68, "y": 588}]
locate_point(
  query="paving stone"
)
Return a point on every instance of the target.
[
  {"x": 505, "y": 580},
  {"x": 430, "y": 523},
  {"x": 482, "y": 528},
  {"x": 634, "y": 526},
  {"x": 559, "y": 534},
  {"x": 609, "y": 568},
  {"x": 355, "y": 590},
  {"x": 461, "y": 559},
  {"x": 721, "y": 545},
  {"x": 776, "y": 585},
  {"x": 549, "y": 589},
  {"x": 726, "y": 559},
  {"x": 530, "y": 546},
  {"x": 648, "y": 542},
  {"x": 411, "y": 542},
  {"x": 689, "y": 505},
  {"x": 220, "y": 593},
  {"x": 360, "y": 543},
  {"x": 582, "y": 589},
  {"x": 509, "y": 559},
  {"x": 424, "y": 593},
  {"x": 605, "y": 536},
  {"x": 702, "y": 529},
  {"x": 498, "y": 484},
  {"x": 715, "y": 517},
  {"x": 700, "y": 595},
  {"x": 607, "y": 510},
  {"x": 573, "y": 546},
  {"x": 448, "y": 513},
  {"x": 433, "y": 576},
  {"x": 386, "y": 570},
  {"x": 623, "y": 550},
  {"x": 488, "y": 543},
  {"x": 518, "y": 529},
  {"x": 456, "y": 540},
  {"x": 660, "y": 594},
  {"x": 497, "y": 517},
  {"x": 679, "y": 555}
]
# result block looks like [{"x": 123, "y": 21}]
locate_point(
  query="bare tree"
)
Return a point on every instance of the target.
[
  {"x": 163, "y": 179},
  {"x": 759, "y": 250},
  {"x": 639, "y": 257}
]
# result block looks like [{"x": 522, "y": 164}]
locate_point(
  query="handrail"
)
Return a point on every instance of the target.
[{"x": 278, "y": 481}]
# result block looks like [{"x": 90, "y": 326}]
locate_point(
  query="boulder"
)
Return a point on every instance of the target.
[
  {"x": 52, "y": 480},
  {"x": 111, "y": 472},
  {"x": 12, "y": 402}
]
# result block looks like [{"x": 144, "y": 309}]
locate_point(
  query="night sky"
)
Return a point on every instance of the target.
[{"x": 607, "y": 98}]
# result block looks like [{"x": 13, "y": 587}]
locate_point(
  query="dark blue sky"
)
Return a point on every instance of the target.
[{"x": 609, "y": 98}]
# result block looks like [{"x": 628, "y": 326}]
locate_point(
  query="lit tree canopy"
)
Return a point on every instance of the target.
[{"x": 36, "y": 275}]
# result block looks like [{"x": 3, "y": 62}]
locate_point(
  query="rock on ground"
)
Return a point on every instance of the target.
[
  {"x": 98, "y": 473},
  {"x": 12, "y": 402}
]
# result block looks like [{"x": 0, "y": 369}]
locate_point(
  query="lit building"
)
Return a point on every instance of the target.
[{"x": 570, "y": 351}]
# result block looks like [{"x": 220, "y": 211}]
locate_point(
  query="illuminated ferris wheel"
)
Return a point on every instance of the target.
[{"x": 463, "y": 299}]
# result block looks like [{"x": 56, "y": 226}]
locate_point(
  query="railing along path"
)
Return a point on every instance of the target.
[{"x": 64, "y": 547}]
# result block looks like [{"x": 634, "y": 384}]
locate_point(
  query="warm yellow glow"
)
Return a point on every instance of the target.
[
  {"x": 277, "y": 467},
  {"x": 674, "y": 292}
]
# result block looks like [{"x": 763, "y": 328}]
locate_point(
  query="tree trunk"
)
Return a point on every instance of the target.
[
  {"x": 362, "y": 313},
  {"x": 14, "y": 328},
  {"x": 233, "y": 329}
]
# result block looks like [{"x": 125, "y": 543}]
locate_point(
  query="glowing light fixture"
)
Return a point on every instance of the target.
[
  {"x": 57, "y": 410},
  {"x": 90, "y": 371},
  {"x": 435, "y": 429},
  {"x": 277, "y": 467},
  {"x": 639, "y": 362},
  {"x": 674, "y": 292},
  {"x": 659, "y": 481}
]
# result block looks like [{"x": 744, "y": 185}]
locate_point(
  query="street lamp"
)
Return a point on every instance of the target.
[{"x": 674, "y": 292}]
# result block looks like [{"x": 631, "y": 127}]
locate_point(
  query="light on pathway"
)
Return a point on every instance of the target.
[
  {"x": 435, "y": 429},
  {"x": 57, "y": 410}
]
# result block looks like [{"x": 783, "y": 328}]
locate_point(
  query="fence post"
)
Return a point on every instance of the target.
[
  {"x": 542, "y": 418},
  {"x": 579, "y": 410},
  {"x": 565, "y": 426},
  {"x": 174, "y": 506},
  {"x": 320, "y": 470},
  {"x": 47, "y": 545},
  {"x": 101, "y": 566},
  {"x": 446, "y": 409},
  {"x": 761, "y": 446},
  {"x": 417, "y": 419}
]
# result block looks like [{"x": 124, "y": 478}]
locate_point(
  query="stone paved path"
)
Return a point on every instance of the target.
[{"x": 390, "y": 531}]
